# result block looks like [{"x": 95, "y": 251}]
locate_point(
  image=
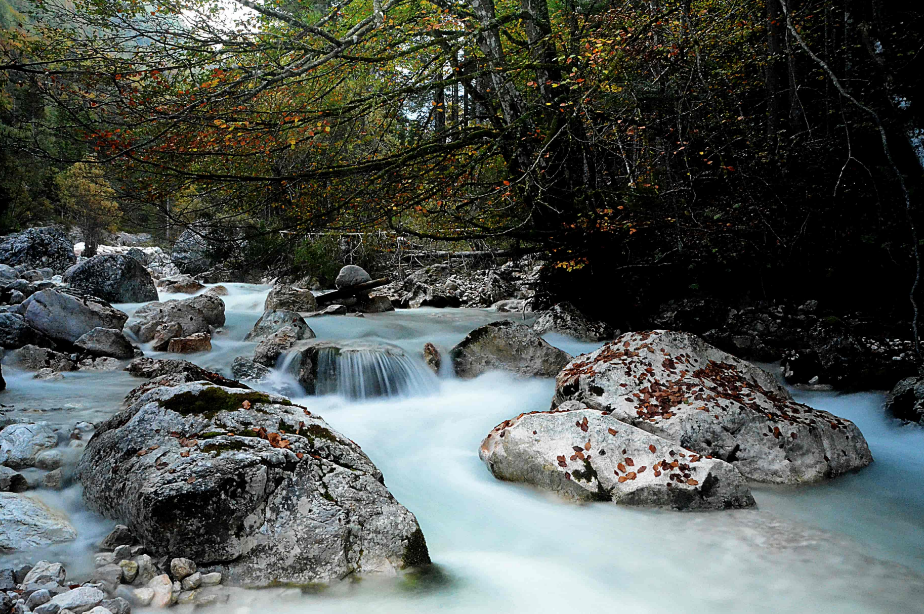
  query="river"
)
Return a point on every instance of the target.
[{"x": 854, "y": 544}]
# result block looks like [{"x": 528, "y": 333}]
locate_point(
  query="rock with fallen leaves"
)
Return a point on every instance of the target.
[
  {"x": 587, "y": 454},
  {"x": 248, "y": 484},
  {"x": 678, "y": 387},
  {"x": 506, "y": 346}
]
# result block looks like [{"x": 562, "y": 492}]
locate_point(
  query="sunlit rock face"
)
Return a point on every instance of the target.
[
  {"x": 249, "y": 483},
  {"x": 678, "y": 387}
]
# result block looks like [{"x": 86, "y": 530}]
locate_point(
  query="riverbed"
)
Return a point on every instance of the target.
[{"x": 854, "y": 544}]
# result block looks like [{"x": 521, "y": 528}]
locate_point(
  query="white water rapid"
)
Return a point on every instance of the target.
[{"x": 851, "y": 545}]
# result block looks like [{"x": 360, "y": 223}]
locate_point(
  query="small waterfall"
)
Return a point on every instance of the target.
[{"x": 362, "y": 373}]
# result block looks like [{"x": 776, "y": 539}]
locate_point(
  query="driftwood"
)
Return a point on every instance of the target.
[{"x": 351, "y": 291}]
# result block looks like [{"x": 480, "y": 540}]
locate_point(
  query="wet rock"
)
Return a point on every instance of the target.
[
  {"x": 906, "y": 400},
  {"x": 117, "y": 278},
  {"x": 116, "y": 606},
  {"x": 12, "y": 481},
  {"x": 27, "y": 523},
  {"x": 120, "y": 535},
  {"x": 247, "y": 503},
  {"x": 15, "y": 333},
  {"x": 192, "y": 581},
  {"x": 330, "y": 310},
  {"x": 585, "y": 454},
  {"x": 40, "y": 597},
  {"x": 211, "y": 579},
  {"x": 510, "y": 306},
  {"x": 8, "y": 273},
  {"x": 289, "y": 298},
  {"x": 49, "y": 460},
  {"x": 432, "y": 357},
  {"x": 66, "y": 318},
  {"x": 275, "y": 321},
  {"x": 181, "y": 285},
  {"x": 192, "y": 253},
  {"x": 374, "y": 304},
  {"x": 506, "y": 346},
  {"x": 160, "y": 367},
  {"x": 34, "y": 358},
  {"x": 198, "y": 314},
  {"x": 108, "y": 577},
  {"x": 21, "y": 444},
  {"x": 351, "y": 275},
  {"x": 217, "y": 291},
  {"x": 245, "y": 369},
  {"x": 47, "y": 375},
  {"x": 106, "y": 342},
  {"x": 44, "y": 572},
  {"x": 198, "y": 342},
  {"x": 53, "y": 480},
  {"x": 565, "y": 319},
  {"x": 38, "y": 248},
  {"x": 678, "y": 387},
  {"x": 78, "y": 601},
  {"x": 163, "y": 334}
]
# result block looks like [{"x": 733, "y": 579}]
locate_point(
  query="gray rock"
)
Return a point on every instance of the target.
[
  {"x": 122, "y": 553},
  {"x": 506, "y": 346},
  {"x": 289, "y": 298},
  {"x": 183, "y": 284},
  {"x": 53, "y": 480},
  {"x": 44, "y": 572},
  {"x": 27, "y": 523},
  {"x": 585, "y": 454},
  {"x": 197, "y": 342},
  {"x": 49, "y": 460},
  {"x": 192, "y": 581},
  {"x": 676, "y": 386},
  {"x": 12, "y": 481},
  {"x": 108, "y": 577},
  {"x": 129, "y": 571},
  {"x": 8, "y": 273},
  {"x": 117, "y": 606},
  {"x": 7, "y": 580},
  {"x": 117, "y": 278},
  {"x": 351, "y": 275},
  {"x": 16, "y": 297},
  {"x": 330, "y": 310},
  {"x": 47, "y": 374},
  {"x": 33, "y": 275},
  {"x": 163, "y": 591},
  {"x": 6, "y": 603},
  {"x": 374, "y": 304},
  {"x": 906, "y": 400},
  {"x": 245, "y": 369},
  {"x": 181, "y": 567},
  {"x": 64, "y": 317},
  {"x": 273, "y": 345},
  {"x": 247, "y": 504},
  {"x": 103, "y": 558},
  {"x": 192, "y": 253},
  {"x": 21, "y": 444},
  {"x": 197, "y": 314},
  {"x": 146, "y": 569},
  {"x": 164, "y": 333},
  {"x": 78, "y": 601},
  {"x": 211, "y": 579},
  {"x": 38, "y": 248},
  {"x": 38, "y": 598},
  {"x": 34, "y": 358},
  {"x": 106, "y": 342},
  {"x": 272, "y": 322},
  {"x": 142, "y": 596},
  {"x": 15, "y": 333},
  {"x": 565, "y": 319}
]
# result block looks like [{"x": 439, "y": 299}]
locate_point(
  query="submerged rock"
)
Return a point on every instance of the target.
[
  {"x": 66, "y": 318},
  {"x": 117, "y": 278},
  {"x": 565, "y": 319},
  {"x": 36, "y": 248},
  {"x": 249, "y": 484},
  {"x": 680, "y": 388},
  {"x": 198, "y": 314},
  {"x": 586, "y": 454},
  {"x": 27, "y": 523},
  {"x": 506, "y": 346}
]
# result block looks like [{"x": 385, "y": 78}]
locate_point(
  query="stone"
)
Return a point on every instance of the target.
[
  {"x": 182, "y": 285},
  {"x": 210, "y": 596},
  {"x": 245, "y": 369},
  {"x": 117, "y": 278},
  {"x": 40, "y": 597},
  {"x": 181, "y": 567},
  {"x": 143, "y": 596},
  {"x": 330, "y": 310},
  {"x": 103, "y": 558},
  {"x": 47, "y": 375},
  {"x": 432, "y": 357},
  {"x": 218, "y": 290},
  {"x": 34, "y": 358},
  {"x": 146, "y": 569},
  {"x": 66, "y": 318},
  {"x": 906, "y": 400},
  {"x": 164, "y": 333},
  {"x": 122, "y": 553},
  {"x": 506, "y": 346},
  {"x": 7, "y": 580},
  {"x": 197, "y": 314},
  {"x": 565, "y": 319},
  {"x": 120, "y": 535},
  {"x": 53, "y": 480},
  {"x": 27, "y": 523},
  {"x": 374, "y": 304},
  {"x": 108, "y": 577},
  {"x": 211, "y": 579},
  {"x": 21, "y": 444},
  {"x": 351, "y": 275},
  {"x": 289, "y": 298},
  {"x": 8, "y": 273},
  {"x": 106, "y": 342},
  {"x": 117, "y": 606},
  {"x": 78, "y": 601},
  {"x": 38, "y": 248},
  {"x": 192, "y": 253},
  {"x": 192, "y": 581},
  {"x": 104, "y": 363},
  {"x": 15, "y": 333},
  {"x": 129, "y": 571},
  {"x": 273, "y": 345},
  {"x": 198, "y": 342},
  {"x": 163, "y": 591},
  {"x": 12, "y": 481},
  {"x": 585, "y": 454},
  {"x": 49, "y": 460},
  {"x": 272, "y": 322},
  {"x": 678, "y": 387},
  {"x": 306, "y": 483},
  {"x": 44, "y": 572}
]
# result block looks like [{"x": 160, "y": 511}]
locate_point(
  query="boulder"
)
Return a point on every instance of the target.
[
  {"x": 45, "y": 572},
  {"x": 106, "y": 342},
  {"x": 117, "y": 278},
  {"x": 27, "y": 523},
  {"x": 217, "y": 291},
  {"x": 351, "y": 275},
  {"x": 586, "y": 454},
  {"x": 12, "y": 481},
  {"x": 21, "y": 443},
  {"x": 164, "y": 333},
  {"x": 283, "y": 297},
  {"x": 198, "y": 314},
  {"x": 246, "y": 369},
  {"x": 64, "y": 317},
  {"x": 15, "y": 333},
  {"x": 565, "y": 319},
  {"x": 199, "y": 342},
  {"x": 181, "y": 285},
  {"x": 34, "y": 358},
  {"x": 906, "y": 400},
  {"x": 79, "y": 600},
  {"x": 277, "y": 320},
  {"x": 192, "y": 254},
  {"x": 8, "y": 273},
  {"x": 678, "y": 387},
  {"x": 247, "y": 484},
  {"x": 37, "y": 248},
  {"x": 373, "y": 304},
  {"x": 506, "y": 346}
]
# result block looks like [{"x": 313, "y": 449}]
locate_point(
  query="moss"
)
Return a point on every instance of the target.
[
  {"x": 225, "y": 446},
  {"x": 211, "y": 401},
  {"x": 316, "y": 431},
  {"x": 416, "y": 553},
  {"x": 284, "y": 427},
  {"x": 210, "y": 434}
]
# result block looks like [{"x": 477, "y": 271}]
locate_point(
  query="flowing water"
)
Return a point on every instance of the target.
[{"x": 854, "y": 544}]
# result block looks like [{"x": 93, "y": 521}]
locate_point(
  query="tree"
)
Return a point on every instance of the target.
[{"x": 89, "y": 201}]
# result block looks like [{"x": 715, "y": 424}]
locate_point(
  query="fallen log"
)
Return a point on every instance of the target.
[{"x": 323, "y": 299}]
